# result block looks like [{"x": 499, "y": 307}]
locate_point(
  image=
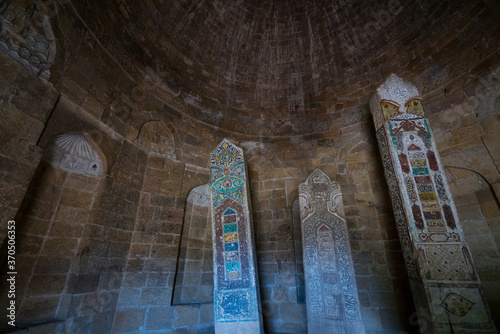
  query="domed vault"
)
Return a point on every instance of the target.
[
  {"x": 110, "y": 111},
  {"x": 274, "y": 68}
]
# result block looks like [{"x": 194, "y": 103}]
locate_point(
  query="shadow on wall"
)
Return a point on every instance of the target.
[
  {"x": 194, "y": 276},
  {"x": 50, "y": 228},
  {"x": 479, "y": 211}
]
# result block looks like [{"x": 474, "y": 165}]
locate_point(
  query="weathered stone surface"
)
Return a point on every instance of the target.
[
  {"x": 128, "y": 321},
  {"x": 331, "y": 294},
  {"x": 236, "y": 286},
  {"x": 422, "y": 199}
]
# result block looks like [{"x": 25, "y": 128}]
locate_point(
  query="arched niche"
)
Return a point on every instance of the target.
[
  {"x": 50, "y": 227},
  {"x": 157, "y": 138},
  {"x": 73, "y": 153},
  {"x": 194, "y": 277}
]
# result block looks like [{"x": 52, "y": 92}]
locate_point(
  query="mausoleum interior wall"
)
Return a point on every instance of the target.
[{"x": 101, "y": 254}]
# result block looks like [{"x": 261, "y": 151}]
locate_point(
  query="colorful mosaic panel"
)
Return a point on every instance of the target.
[
  {"x": 227, "y": 184},
  {"x": 231, "y": 237},
  {"x": 432, "y": 161},
  {"x": 436, "y": 226},
  {"x": 418, "y": 163},
  {"x": 415, "y": 107},
  {"x": 390, "y": 109},
  {"x": 231, "y": 256},
  {"x": 229, "y": 212},
  {"x": 397, "y": 202},
  {"x": 228, "y": 228},
  {"x": 226, "y": 155},
  {"x": 236, "y": 305},
  {"x": 232, "y": 268},
  {"x": 438, "y": 246},
  {"x": 237, "y": 195},
  {"x": 432, "y": 215},
  {"x": 423, "y": 179},
  {"x": 420, "y": 171},
  {"x": 235, "y": 280},
  {"x": 427, "y": 196},
  {"x": 425, "y": 188},
  {"x": 227, "y": 173},
  {"x": 417, "y": 215},
  {"x": 411, "y": 140},
  {"x": 403, "y": 160},
  {"x": 231, "y": 246}
]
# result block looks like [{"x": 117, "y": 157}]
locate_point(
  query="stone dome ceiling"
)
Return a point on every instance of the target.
[{"x": 281, "y": 68}]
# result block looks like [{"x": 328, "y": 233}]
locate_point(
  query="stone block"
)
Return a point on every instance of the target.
[
  {"x": 110, "y": 280},
  {"x": 392, "y": 320},
  {"x": 135, "y": 280},
  {"x": 280, "y": 293},
  {"x": 129, "y": 298},
  {"x": 129, "y": 321},
  {"x": 38, "y": 309},
  {"x": 68, "y": 230},
  {"x": 382, "y": 299},
  {"x": 83, "y": 283},
  {"x": 159, "y": 318},
  {"x": 371, "y": 318},
  {"x": 488, "y": 203},
  {"x": 52, "y": 265},
  {"x": 292, "y": 312},
  {"x": 467, "y": 133},
  {"x": 163, "y": 251},
  {"x": 32, "y": 244},
  {"x": 155, "y": 296},
  {"x": 60, "y": 247},
  {"x": 46, "y": 285},
  {"x": 102, "y": 322},
  {"x": 186, "y": 316}
]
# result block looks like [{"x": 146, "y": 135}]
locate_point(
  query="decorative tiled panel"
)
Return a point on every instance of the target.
[
  {"x": 235, "y": 305},
  {"x": 236, "y": 295},
  {"x": 427, "y": 220},
  {"x": 331, "y": 294},
  {"x": 231, "y": 258},
  {"x": 73, "y": 153},
  {"x": 423, "y": 185}
]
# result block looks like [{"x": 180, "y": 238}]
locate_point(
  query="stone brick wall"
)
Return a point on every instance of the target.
[
  {"x": 194, "y": 278},
  {"x": 26, "y": 105},
  {"x": 100, "y": 255},
  {"x": 466, "y": 124}
]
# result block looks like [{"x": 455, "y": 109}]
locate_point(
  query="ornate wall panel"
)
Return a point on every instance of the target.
[
  {"x": 437, "y": 257},
  {"x": 331, "y": 293},
  {"x": 236, "y": 289},
  {"x": 72, "y": 152}
]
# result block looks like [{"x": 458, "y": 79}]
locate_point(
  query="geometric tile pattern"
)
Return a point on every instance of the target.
[
  {"x": 236, "y": 295},
  {"x": 457, "y": 304},
  {"x": 232, "y": 255}
]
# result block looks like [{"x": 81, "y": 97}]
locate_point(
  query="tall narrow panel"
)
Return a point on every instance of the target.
[
  {"x": 446, "y": 288},
  {"x": 236, "y": 288}
]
